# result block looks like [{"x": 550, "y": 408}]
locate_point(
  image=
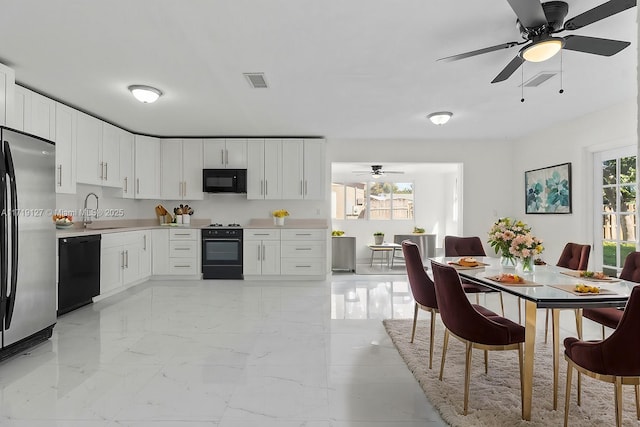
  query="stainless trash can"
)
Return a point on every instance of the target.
[{"x": 343, "y": 253}]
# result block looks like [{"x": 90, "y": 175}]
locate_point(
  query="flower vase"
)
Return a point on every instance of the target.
[
  {"x": 508, "y": 261},
  {"x": 278, "y": 220},
  {"x": 525, "y": 265}
]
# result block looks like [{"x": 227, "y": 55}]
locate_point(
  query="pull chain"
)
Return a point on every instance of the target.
[
  {"x": 561, "y": 89},
  {"x": 522, "y": 82}
]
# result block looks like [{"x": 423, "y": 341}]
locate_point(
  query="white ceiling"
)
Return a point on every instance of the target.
[{"x": 338, "y": 69}]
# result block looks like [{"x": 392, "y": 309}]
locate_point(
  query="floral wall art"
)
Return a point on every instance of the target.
[{"x": 548, "y": 190}]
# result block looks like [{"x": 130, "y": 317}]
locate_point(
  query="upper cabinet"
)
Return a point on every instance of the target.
[
  {"x": 221, "y": 153},
  {"x": 264, "y": 168},
  {"x": 147, "y": 167},
  {"x": 127, "y": 175},
  {"x": 181, "y": 166},
  {"x": 98, "y": 152},
  {"x": 34, "y": 113},
  {"x": 286, "y": 169},
  {"x": 7, "y": 92},
  {"x": 65, "y": 139}
]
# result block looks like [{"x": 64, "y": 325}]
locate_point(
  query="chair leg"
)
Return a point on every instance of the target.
[
  {"x": 618, "y": 398},
  {"x": 579, "y": 389},
  {"x": 521, "y": 366},
  {"x": 486, "y": 361},
  {"x": 433, "y": 329},
  {"x": 546, "y": 325},
  {"x": 501, "y": 303},
  {"x": 567, "y": 394},
  {"x": 578, "y": 312},
  {"x": 519, "y": 312},
  {"x": 637, "y": 389},
  {"x": 444, "y": 351},
  {"x": 467, "y": 376},
  {"x": 415, "y": 321}
]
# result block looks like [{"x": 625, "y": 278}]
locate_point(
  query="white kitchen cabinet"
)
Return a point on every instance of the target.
[
  {"x": 34, "y": 113},
  {"x": 264, "y": 168},
  {"x": 127, "y": 172},
  {"x": 65, "y": 139},
  {"x": 181, "y": 166},
  {"x": 147, "y": 167},
  {"x": 7, "y": 94},
  {"x": 176, "y": 252},
  {"x": 125, "y": 259},
  {"x": 303, "y": 252},
  {"x": 97, "y": 152},
  {"x": 303, "y": 169},
  {"x": 261, "y": 252},
  {"x": 229, "y": 153}
]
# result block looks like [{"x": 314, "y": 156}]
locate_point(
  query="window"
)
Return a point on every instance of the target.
[
  {"x": 616, "y": 214},
  {"x": 375, "y": 200}
]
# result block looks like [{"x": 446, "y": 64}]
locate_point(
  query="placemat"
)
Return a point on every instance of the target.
[
  {"x": 464, "y": 267},
  {"x": 571, "y": 289},
  {"x": 576, "y": 274},
  {"x": 524, "y": 284}
]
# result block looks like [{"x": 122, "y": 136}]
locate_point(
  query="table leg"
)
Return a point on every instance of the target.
[
  {"x": 372, "y": 253},
  {"x": 529, "y": 348},
  {"x": 555, "y": 325}
]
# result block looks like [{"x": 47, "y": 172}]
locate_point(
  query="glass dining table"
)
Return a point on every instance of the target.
[{"x": 546, "y": 287}]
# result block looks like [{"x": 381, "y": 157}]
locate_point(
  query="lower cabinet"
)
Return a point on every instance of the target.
[
  {"x": 286, "y": 252},
  {"x": 125, "y": 259},
  {"x": 261, "y": 252},
  {"x": 176, "y": 252}
]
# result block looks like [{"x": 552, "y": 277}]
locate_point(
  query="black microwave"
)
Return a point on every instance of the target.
[{"x": 224, "y": 180}]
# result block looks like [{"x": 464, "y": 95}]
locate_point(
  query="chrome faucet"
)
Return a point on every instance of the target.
[{"x": 85, "y": 213}]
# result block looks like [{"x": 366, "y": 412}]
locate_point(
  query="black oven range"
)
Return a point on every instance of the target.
[{"x": 222, "y": 251}]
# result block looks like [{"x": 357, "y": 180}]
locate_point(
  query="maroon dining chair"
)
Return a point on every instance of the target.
[
  {"x": 488, "y": 332},
  {"x": 574, "y": 256},
  {"x": 610, "y": 316},
  {"x": 455, "y": 246},
  {"x": 423, "y": 291},
  {"x": 615, "y": 360}
]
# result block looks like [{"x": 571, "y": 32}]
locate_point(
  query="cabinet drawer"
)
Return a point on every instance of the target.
[
  {"x": 304, "y": 234},
  {"x": 312, "y": 249},
  {"x": 261, "y": 234},
  {"x": 183, "y": 266},
  {"x": 183, "y": 234},
  {"x": 182, "y": 249},
  {"x": 302, "y": 267}
]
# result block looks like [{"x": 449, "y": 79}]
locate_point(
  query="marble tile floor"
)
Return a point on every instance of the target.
[{"x": 222, "y": 353}]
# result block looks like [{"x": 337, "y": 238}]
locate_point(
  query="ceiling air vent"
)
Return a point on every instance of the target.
[
  {"x": 256, "y": 80},
  {"x": 539, "y": 78}
]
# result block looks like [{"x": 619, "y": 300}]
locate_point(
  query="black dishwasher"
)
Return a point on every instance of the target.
[{"x": 78, "y": 271}]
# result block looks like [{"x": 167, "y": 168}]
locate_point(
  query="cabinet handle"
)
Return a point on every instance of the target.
[
  {"x": 127, "y": 255},
  {"x": 303, "y": 266},
  {"x": 144, "y": 244},
  {"x": 305, "y": 187},
  {"x": 222, "y": 156},
  {"x": 122, "y": 260},
  {"x": 59, "y": 175},
  {"x": 181, "y": 249},
  {"x": 303, "y": 234},
  {"x": 259, "y": 246},
  {"x": 266, "y": 187},
  {"x": 106, "y": 171},
  {"x": 263, "y": 252},
  {"x": 182, "y": 234},
  {"x": 182, "y": 266},
  {"x": 137, "y": 185},
  {"x": 126, "y": 184},
  {"x": 301, "y": 188},
  {"x": 303, "y": 249},
  {"x": 101, "y": 170}
]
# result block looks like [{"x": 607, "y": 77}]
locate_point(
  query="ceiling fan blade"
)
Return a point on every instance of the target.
[
  {"x": 605, "y": 10},
  {"x": 479, "y": 51},
  {"x": 529, "y": 12},
  {"x": 595, "y": 45},
  {"x": 509, "y": 69}
]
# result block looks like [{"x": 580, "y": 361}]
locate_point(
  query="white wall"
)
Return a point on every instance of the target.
[{"x": 574, "y": 141}]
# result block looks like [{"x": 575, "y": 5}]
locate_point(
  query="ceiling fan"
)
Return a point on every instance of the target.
[
  {"x": 376, "y": 172},
  {"x": 538, "y": 23}
]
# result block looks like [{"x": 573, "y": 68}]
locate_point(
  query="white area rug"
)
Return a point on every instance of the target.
[{"x": 494, "y": 399}]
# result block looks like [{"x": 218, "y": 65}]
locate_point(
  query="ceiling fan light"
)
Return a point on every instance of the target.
[
  {"x": 440, "y": 118},
  {"x": 145, "y": 94},
  {"x": 543, "y": 50}
]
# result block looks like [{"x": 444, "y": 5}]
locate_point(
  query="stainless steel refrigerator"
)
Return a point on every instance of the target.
[{"x": 27, "y": 241}]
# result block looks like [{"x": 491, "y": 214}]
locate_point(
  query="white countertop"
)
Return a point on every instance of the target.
[{"x": 288, "y": 223}]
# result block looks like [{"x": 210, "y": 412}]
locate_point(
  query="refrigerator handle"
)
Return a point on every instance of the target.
[
  {"x": 11, "y": 299},
  {"x": 3, "y": 241}
]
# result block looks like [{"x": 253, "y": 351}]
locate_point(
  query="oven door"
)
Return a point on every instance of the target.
[{"x": 221, "y": 251}]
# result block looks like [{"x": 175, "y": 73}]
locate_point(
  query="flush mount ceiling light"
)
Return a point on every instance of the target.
[
  {"x": 145, "y": 94},
  {"x": 542, "y": 50},
  {"x": 440, "y": 118}
]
